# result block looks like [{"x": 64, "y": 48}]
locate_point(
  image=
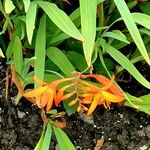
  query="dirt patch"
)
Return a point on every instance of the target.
[{"x": 123, "y": 128}]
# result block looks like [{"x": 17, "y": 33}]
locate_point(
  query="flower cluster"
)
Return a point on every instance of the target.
[{"x": 86, "y": 94}]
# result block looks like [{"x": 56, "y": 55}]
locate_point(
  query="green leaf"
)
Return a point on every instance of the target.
[
  {"x": 130, "y": 23},
  {"x": 60, "y": 60},
  {"x": 40, "y": 50},
  {"x": 26, "y": 66},
  {"x": 77, "y": 60},
  {"x": 30, "y": 20},
  {"x": 145, "y": 7},
  {"x": 142, "y": 19},
  {"x": 58, "y": 39},
  {"x": 39, "y": 144},
  {"x": 70, "y": 109},
  {"x": 60, "y": 18},
  {"x": 9, "y": 6},
  {"x": 10, "y": 48},
  {"x": 1, "y": 53},
  {"x": 17, "y": 55},
  {"x": 63, "y": 140},
  {"x": 47, "y": 138},
  {"x": 142, "y": 103},
  {"x": 116, "y": 34},
  {"x": 26, "y": 4},
  {"x": 124, "y": 62},
  {"x": 88, "y": 27}
]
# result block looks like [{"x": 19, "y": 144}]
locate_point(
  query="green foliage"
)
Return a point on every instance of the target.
[
  {"x": 48, "y": 130},
  {"x": 40, "y": 39},
  {"x": 141, "y": 103},
  {"x": 88, "y": 27}
]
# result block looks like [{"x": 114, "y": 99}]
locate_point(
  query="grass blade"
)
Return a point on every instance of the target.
[
  {"x": 60, "y": 60},
  {"x": 130, "y": 23},
  {"x": 17, "y": 55},
  {"x": 60, "y": 18},
  {"x": 142, "y": 103},
  {"x": 88, "y": 27},
  {"x": 142, "y": 19},
  {"x": 40, "y": 46},
  {"x": 47, "y": 138},
  {"x": 26, "y": 4},
  {"x": 124, "y": 62},
  {"x": 39, "y": 144},
  {"x": 63, "y": 140},
  {"x": 9, "y": 6},
  {"x": 30, "y": 20},
  {"x": 1, "y": 53}
]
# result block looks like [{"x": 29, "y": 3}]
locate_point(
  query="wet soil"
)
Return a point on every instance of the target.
[{"x": 123, "y": 128}]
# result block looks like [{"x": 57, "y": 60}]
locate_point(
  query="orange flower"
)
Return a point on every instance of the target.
[
  {"x": 44, "y": 96},
  {"x": 96, "y": 95},
  {"x": 104, "y": 81}
]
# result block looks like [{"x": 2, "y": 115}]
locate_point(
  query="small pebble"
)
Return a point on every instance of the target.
[
  {"x": 21, "y": 114},
  {"x": 143, "y": 147}
]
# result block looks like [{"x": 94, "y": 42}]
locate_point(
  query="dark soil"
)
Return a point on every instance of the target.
[{"x": 123, "y": 128}]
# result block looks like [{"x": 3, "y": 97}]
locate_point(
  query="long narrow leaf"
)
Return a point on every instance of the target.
[
  {"x": 40, "y": 46},
  {"x": 26, "y": 4},
  {"x": 63, "y": 140},
  {"x": 1, "y": 53},
  {"x": 60, "y": 60},
  {"x": 88, "y": 27},
  {"x": 130, "y": 23},
  {"x": 30, "y": 20},
  {"x": 47, "y": 138},
  {"x": 124, "y": 62},
  {"x": 142, "y": 19},
  {"x": 142, "y": 103},
  {"x": 39, "y": 144},
  {"x": 116, "y": 34},
  {"x": 60, "y": 19},
  {"x": 17, "y": 55}
]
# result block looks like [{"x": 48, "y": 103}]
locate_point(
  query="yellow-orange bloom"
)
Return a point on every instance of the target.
[
  {"x": 96, "y": 95},
  {"x": 44, "y": 96}
]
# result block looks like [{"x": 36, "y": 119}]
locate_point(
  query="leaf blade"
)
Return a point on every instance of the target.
[
  {"x": 130, "y": 23},
  {"x": 88, "y": 27},
  {"x": 63, "y": 140},
  {"x": 123, "y": 61},
  {"x": 30, "y": 20},
  {"x": 60, "y": 19},
  {"x": 40, "y": 51},
  {"x": 60, "y": 60}
]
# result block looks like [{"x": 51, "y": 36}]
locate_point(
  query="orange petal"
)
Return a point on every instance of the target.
[
  {"x": 45, "y": 97},
  {"x": 49, "y": 103},
  {"x": 37, "y": 80},
  {"x": 57, "y": 98},
  {"x": 79, "y": 108},
  {"x": 55, "y": 83},
  {"x": 107, "y": 104},
  {"x": 100, "y": 99},
  {"x": 86, "y": 95},
  {"x": 68, "y": 95},
  {"x": 38, "y": 101},
  {"x": 89, "y": 84},
  {"x": 35, "y": 92},
  {"x": 60, "y": 94},
  {"x": 84, "y": 108},
  {"x": 87, "y": 100},
  {"x": 109, "y": 84},
  {"x": 111, "y": 97},
  {"x": 93, "y": 106},
  {"x": 104, "y": 81},
  {"x": 73, "y": 102},
  {"x": 88, "y": 89}
]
